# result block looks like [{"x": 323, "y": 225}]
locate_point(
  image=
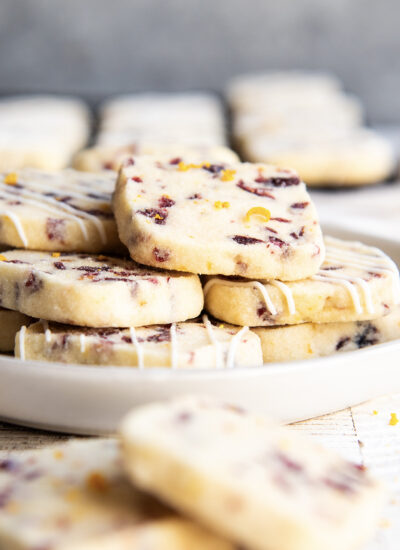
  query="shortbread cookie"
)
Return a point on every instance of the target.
[
  {"x": 233, "y": 219},
  {"x": 10, "y": 323},
  {"x": 355, "y": 282},
  {"x": 96, "y": 291},
  {"x": 100, "y": 158},
  {"x": 59, "y": 211},
  {"x": 180, "y": 346},
  {"x": 261, "y": 485},
  {"x": 357, "y": 157},
  {"x": 76, "y": 497},
  {"x": 308, "y": 340}
]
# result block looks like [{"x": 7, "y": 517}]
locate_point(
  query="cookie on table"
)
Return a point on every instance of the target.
[
  {"x": 355, "y": 282},
  {"x": 96, "y": 291},
  {"x": 66, "y": 210},
  {"x": 232, "y": 219},
  {"x": 308, "y": 340},
  {"x": 10, "y": 324},
  {"x": 76, "y": 496},
  {"x": 259, "y": 484},
  {"x": 181, "y": 345},
  {"x": 355, "y": 157},
  {"x": 98, "y": 158}
]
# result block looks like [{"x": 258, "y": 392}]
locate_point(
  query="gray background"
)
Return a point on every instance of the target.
[{"x": 97, "y": 47}]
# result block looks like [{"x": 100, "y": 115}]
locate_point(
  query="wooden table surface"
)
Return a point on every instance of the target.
[{"x": 362, "y": 434}]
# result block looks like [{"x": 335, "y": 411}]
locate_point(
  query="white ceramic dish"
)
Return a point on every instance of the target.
[{"x": 92, "y": 400}]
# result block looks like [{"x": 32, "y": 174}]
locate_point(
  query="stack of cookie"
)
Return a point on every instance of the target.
[
  {"x": 306, "y": 122},
  {"x": 252, "y": 232},
  {"x": 41, "y": 131},
  {"x": 191, "y": 124}
]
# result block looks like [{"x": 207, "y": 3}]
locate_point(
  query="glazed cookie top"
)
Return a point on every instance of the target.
[
  {"x": 59, "y": 199},
  {"x": 257, "y": 216}
]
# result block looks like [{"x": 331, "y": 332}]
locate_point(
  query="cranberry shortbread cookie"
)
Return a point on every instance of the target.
[
  {"x": 10, "y": 323},
  {"x": 355, "y": 282},
  {"x": 66, "y": 210},
  {"x": 259, "y": 484},
  {"x": 76, "y": 496},
  {"x": 308, "y": 340},
  {"x": 96, "y": 291},
  {"x": 232, "y": 219},
  {"x": 98, "y": 158},
  {"x": 181, "y": 345}
]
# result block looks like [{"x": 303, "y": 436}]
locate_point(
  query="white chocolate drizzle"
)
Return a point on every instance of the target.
[
  {"x": 82, "y": 342},
  {"x": 174, "y": 347},
  {"x": 22, "y": 343},
  {"x": 138, "y": 347},
  {"x": 47, "y": 331},
  {"x": 217, "y": 345},
  {"x": 230, "y": 360},
  {"x": 254, "y": 284}
]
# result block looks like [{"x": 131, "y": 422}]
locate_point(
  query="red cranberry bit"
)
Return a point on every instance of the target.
[
  {"x": 299, "y": 234},
  {"x": 195, "y": 196},
  {"x": 137, "y": 179},
  {"x": 213, "y": 168},
  {"x": 289, "y": 463},
  {"x": 261, "y": 311},
  {"x": 165, "y": 202},
  {"x": 162, "y": 334},
  {"x": 282, "y": 220},
  {"x": 33, "y": 283},
  {"x": 159, "y": 215},
  {"x": 342, "y": 342},
  {"x": 175, "y": 160},
  {"x": 9, "y": 465},
  {"x": 278, "y": 181},
  {"x": 259, "y": 191},
  {"x": 108, "y": 165},
  {"x": 277, "y": 242},
  {"x": 299, "y": 205},
  {"x": 241, "y": 239},
  {"x": 129, "y": 162},
  {"x": 184, "y": 417},
  {"x": 59, "y": 265},
  {"x": 55, "y": 229},
  {"x": 160, "y": 255}
]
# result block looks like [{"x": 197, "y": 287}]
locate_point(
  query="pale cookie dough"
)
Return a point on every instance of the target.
[
  {"x": 355, "y": 282},
  {"x": 231, "y": 219},
  {"x": 178, "y": 346},
  {"x": 100, "y": 158},
  {"x": 76, "y": 497},
  {"x": 10, "y": 323},
  {"x": 95, "y": 291},
  {"x": 308, "y": 340},
  {"x": 357, "y": 157},
  {"x": 261, "y": 485},
  {"x": 66, "y": 210}
]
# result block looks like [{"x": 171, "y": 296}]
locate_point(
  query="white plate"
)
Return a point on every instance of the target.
[{"x": 92, "y": 400}]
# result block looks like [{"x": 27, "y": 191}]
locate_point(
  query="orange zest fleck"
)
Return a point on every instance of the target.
[
  {"x": 259, "y": 211},
  {"x": 183, "y": 167},
  {"x": 56, "y": 254},
  {"x": 158, "y": 217},
  {"x": 393, "y": 419},
  {"x": 2, "y": 258},
  {"x": 58, "y": 455},
  {"x": 96, "y": 481},
  {"x": 11, "y": 178},
  {"x": 218, "y": 205},
  {"x": 375, "y": 412},
  {"x": 228, "y": 175}
]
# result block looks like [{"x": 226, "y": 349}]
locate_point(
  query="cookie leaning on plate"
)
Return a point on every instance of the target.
[
  {"x": 232, "y": 219},
  {"x": 257, "y": 483},
  {"x": 355, "y": 282},
  {"x": 76, "y": 496},
  {"x": 96, "y": 291},
  {"x": 306, "y": 340},
  {"x": 65, "y": 210},
  {"x": 181, "y": 346}
]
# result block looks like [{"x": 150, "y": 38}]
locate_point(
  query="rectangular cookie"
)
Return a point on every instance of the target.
[{"x": 259, "y": 484}]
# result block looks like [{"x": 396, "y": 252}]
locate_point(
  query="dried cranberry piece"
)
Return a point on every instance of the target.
[
  {"x": 367, "y": 337},
  {"x": 9, "y": 465},
  {"x": 175, "y": 160},
  {"x": 163, "y": 334},
  {"x": 55, "y": 229},
  {"x": 160, "y": 255},
  {"x": 283, "y": 220},
  {"x": 165, "y": 202},
  {"x": 213, "y": 168},
  {"x": 289, "y": 463},
  {"x": 277, "y": 242},
  {"x": 33, "y": 283},
  {"x": 195, "y": 196},
  {"x": 59, "y": 265},
  {"x": 184, "y": 417},
  {"x": 342, "y": 342},
  {"x": 242, "y": 239},
  {"x": 129, "y": 162},
  {"x": 299, "y": 205},
  {"x": 137, "y": 179},
  {"x": 278, "y": 181},
  {"x": 299, "y": 234},
  {"x": 259, "y": 191},
  {"x": 159, "y": 215},
  {"x": 108, "y": 166}
]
